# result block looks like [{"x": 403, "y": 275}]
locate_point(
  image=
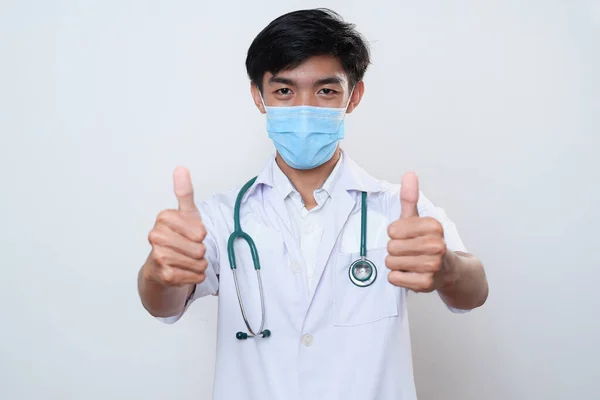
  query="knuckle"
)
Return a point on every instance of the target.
[
  {"x": 202, "y": 232},
  {"x": 392, "y": 230},
  {"x": 441, "y": 249},
  {"x": 159, "y": 257},
  {"x": 201, "y": 251},
  {"x": 389, "y": 261},
  {"x": 156, "y": 237},
  {"x": 436, "y": 245},
  {"x": 197, "y": 231},
  {"x": 427, "y": 282},
  {"x": 151, "y": 236},
  {"x": 203, "y": 265},
  {"x": 164, "y": 216},
  {"x": 435, "y": 225},
  {"x": 168, "y": 276},
  {"x": 200, "y": 278},
  {"x": 391, "y": 247},
  {"x": 392, "y": 278},
  {"x": 432, "y": 265}
]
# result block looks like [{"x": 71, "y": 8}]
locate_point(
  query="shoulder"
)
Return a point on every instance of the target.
[
  {"x": 218, "y": 205},
  {"x": 222, "y": 205},
  {"x": 426, "y": 208},
  {"x": 387, "y": 199}
]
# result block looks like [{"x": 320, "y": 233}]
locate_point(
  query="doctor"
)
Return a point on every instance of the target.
[{"x": 334, "y": 332}]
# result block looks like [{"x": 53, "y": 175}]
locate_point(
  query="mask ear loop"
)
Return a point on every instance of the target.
[
  {"x": 350, "y": 98},
  {"x": 262, "y": 99}
]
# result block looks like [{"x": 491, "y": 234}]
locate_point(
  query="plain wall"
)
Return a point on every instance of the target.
[{"x": 494, "y": 104}]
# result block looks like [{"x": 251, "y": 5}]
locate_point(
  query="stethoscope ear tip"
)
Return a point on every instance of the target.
[{"x": 266, "y": 333}]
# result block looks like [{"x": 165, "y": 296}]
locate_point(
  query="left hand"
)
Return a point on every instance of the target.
[{"x": 417, "y": 248}]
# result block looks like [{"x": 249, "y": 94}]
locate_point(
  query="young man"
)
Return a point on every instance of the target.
[{"x": 332, "y": 328}]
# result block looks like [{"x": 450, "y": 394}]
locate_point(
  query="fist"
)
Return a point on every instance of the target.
[
  {"x": 177, "y": 256},
  {"x": 416, "y": 249}
]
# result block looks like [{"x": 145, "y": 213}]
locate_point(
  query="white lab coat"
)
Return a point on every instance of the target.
[{"x": 339, "y": 341}]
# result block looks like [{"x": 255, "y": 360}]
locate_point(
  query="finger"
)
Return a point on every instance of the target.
[
  {"x": 415, "y": 227},
  {"x": 420, "y": 264},
  {"x": 409, "y": 195},
  {"x": 189, "y": 227},
  {"x": 164, "y": 236},
  {"x": 167, "y": 257},
  {"x": 429, "y": 244},
  {"x": 179, "y": 277},
  {"x": 184, "y": 191},
  {"x": 412, "y": 280}
]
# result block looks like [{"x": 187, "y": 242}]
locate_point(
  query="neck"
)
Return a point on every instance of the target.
[{"x": 307, "y": 181}]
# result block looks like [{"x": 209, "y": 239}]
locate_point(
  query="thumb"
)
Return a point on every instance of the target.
[
  {"x": 184, "y": 191},
  {"x": 409, "y": 195}
]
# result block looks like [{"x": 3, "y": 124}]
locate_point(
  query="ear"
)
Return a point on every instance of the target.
[
  {"x": 257, "y": 99},
  {"x": 356, "y": 97}
]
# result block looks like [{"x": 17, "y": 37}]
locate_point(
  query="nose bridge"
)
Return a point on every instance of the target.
[{"x": 305, "y": 96}]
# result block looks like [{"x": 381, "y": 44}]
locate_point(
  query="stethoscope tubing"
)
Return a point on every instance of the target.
[{"x": 238, "y": 233}]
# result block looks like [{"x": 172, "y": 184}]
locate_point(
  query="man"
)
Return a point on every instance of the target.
[{"x": 330, "y": 331}]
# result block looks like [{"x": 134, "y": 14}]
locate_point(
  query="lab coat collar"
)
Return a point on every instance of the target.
[
  {"x": 349, "y": 177},
  {"x": 284, "y": 187},
  {"x": 353, "y": 177}
]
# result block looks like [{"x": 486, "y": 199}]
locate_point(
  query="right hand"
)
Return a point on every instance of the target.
[{"x": 177, "y": 256}]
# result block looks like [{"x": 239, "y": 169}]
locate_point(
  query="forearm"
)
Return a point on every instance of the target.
[
  {"x": 467, "y": 286},
  {"x": 160, "y": 300}
]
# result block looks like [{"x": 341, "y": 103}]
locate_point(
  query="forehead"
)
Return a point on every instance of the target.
[{"x": 313, "y": 69}]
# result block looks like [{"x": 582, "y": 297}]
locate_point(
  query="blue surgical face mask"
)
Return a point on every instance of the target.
[{"x": 305, "y": 136}]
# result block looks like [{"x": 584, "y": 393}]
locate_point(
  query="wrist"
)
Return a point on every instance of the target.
[{"x": 451, "y": 273}]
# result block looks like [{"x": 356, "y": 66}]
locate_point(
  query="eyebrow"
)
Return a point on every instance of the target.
[
  {"x": 329, "y": 81},
  {"x": 325, "y": 81},
  {"x": 279, "y": 79}
]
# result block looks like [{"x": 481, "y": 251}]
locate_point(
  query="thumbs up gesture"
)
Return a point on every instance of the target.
[
  {"x": 416, "y": 248},
  {"x": 177, "y": 256}
]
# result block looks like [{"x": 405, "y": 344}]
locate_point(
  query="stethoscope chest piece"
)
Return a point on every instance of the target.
[{"x": 362, "y": 272}]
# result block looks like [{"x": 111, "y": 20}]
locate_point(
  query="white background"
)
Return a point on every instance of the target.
[{"x": 495, "y": 104}]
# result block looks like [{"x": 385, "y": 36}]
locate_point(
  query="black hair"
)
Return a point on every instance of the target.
[{"x": 292, "y": 38}]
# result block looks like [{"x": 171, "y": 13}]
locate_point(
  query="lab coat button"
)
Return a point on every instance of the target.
[
  {"x": 310, "y": 228},
  {"x": 295, "y": 267},
  {"x": 307, "y": 340}
]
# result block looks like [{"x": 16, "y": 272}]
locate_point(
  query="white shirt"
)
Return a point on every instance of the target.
[
  {"x": 309, "y": 224},
  {"x": 330, "y": 339}
]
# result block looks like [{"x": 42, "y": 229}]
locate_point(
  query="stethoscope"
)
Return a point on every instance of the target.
[{"x": 362, "y": 272}]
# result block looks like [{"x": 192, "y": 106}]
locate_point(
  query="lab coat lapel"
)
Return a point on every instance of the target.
[
  {"x": 352, "y": 180},
  {"x": 285, "y": 221},
  {"x": 278, "y": 214},
  {"x": 342, "y": 205}
]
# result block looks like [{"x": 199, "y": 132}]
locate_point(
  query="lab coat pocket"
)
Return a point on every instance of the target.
[{"x": 354, "y": 305}]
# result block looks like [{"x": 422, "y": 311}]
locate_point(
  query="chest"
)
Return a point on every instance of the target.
[{"x": 304, "y": 268}]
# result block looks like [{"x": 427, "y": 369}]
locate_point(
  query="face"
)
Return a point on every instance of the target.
[{"x": 320, "y": 81}]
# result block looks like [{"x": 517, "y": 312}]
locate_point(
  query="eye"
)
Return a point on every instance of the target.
[
  {"x": 283, "y": 91},
  {"x": 328, "y": 91}
]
